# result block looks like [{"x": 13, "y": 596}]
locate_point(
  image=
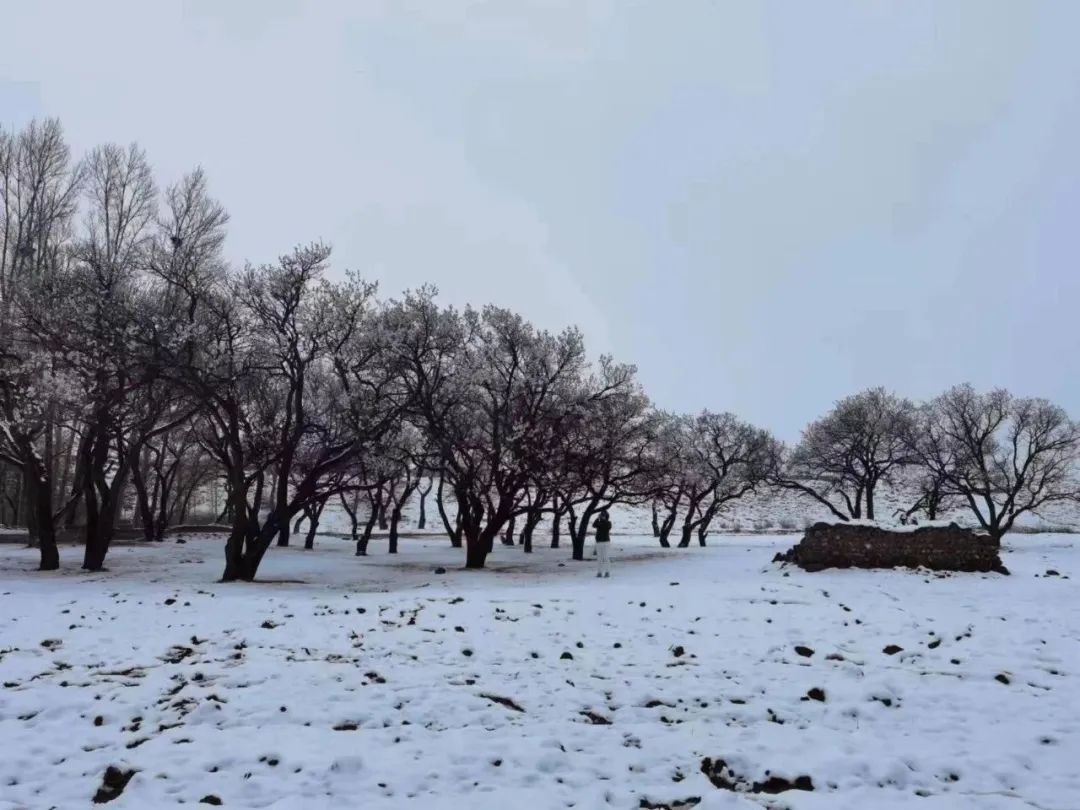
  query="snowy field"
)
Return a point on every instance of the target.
[{"x": 377, "y": 683}]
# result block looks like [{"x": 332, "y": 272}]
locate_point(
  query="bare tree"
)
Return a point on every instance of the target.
[
  {"x": 290, "y": 307},
  {"x": 704, "y": 463},
  {"x": 38, "y": 197},
  {"x": 96, "y": 301},
  {"x": 1003, "y": 456},
  {"x": 843, "y": 456},
  {"x": 491, "y": 393},
  {"x": 669, "y": 473},
  {"x": 731, "y": 459},
  {"x": 607, "y": 449}
]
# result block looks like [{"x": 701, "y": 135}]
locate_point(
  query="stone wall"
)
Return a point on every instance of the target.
[{"x": 855, "y": 545}]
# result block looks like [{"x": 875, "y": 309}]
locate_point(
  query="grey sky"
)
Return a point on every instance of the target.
[{"x": 766, "y": 206}]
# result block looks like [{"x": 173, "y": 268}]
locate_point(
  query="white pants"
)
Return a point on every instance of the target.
[{"x": 603, "y": 558}]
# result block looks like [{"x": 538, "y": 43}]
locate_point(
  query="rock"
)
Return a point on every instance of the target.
[
  {"x": 939, "y": 548},
  {"x": 677, "y": 804},
  {"x": 805, "y": 652},
  {"x": 933, "y": 645},
  {"x": 816, "y": 694},
  {"x": 210, "y": 798},
  {"x": 594, "y": 718},
  {"x": 678, "y": 651},
  {"x": 1001, "y": 677},
  {"x": 504, "y": 701},
  {"x": 892, "y": 649},
  {"x": 777, "y": 784},
  {"x": 719, "y": 774},
  {"x": 722, "y": 776},
  {"x": 112, "y": 784},
  {"x": 566, "y": 657},
  {"x": 440, "y": 570}
]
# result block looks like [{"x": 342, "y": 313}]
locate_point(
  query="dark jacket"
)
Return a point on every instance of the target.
[{"x": 603, "y": 530}]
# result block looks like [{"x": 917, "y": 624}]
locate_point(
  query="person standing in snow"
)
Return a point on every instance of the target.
[{"x": 602, "y": 525}]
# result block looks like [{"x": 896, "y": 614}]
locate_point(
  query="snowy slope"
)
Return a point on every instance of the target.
[{"x": 376, "y": 683}]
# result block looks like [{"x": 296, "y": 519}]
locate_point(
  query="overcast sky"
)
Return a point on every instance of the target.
[{"x": 765, "y": 206}]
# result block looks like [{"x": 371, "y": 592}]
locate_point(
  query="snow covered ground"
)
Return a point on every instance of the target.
[{"x": 377, "y": 683}]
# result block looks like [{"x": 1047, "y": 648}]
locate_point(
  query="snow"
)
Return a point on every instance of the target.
[
  {"x": 235, "y": 690},
  {"x": 891, "y": 526}
]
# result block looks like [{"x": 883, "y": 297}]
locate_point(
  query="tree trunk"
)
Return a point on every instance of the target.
[
  {"x": 164, "y": 511},
  {"x": 351, "y": 512},
  {"x": 108, "y": 511},
  {"x": 313, "y": 524},
  {"x": 78, "y": 483},
  {"x": 475, "y": 554},
  {"x": 455, "y": 537},
  {"x": 579, "y": 531},
  {"x": 369, "y": 526},
  {"x": 383, "y": 525},
  {"x": 259, "y": 540},
  {"x": 142, "y": 499},
  {"x": 667, "y": 525},
  {"x": 39, "y": 490},
  {"x": 933, "y": 500},
  {"x": 689, "y": 523},
  {"x": 478, "y": 543},
  {"x": 556, "y": 522},
  {"x": 453, "y": 532},
  {"x": 29, "y": 510},
  {"x": 236, "y": 507},
  {"x": 354, "y": 532},
  {"x": 395, "y": 519},
  {"x": 281, "y": 503},
  {"x": 687, "y": 533},
  {"x": 305, "y": 514},
  {"x": 869, "y": 500},
  {"x": 94, "y": 550},
  {"x": 68, "y": 446},
  {"x": 508, "y": 536},
  {"x": 655, "y": 521},
  {"x": 706, "y": 521},
  {"x": 421, "y": 523},
  {"x": 532, "y": 520}
]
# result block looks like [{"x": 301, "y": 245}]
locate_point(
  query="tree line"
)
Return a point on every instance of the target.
[{"x": 137, "y": 366}]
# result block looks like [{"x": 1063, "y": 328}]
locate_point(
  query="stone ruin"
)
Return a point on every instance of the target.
[{"x": 863, "y": 545}]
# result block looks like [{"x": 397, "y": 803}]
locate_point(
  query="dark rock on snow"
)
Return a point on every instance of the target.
[
  {"x": 112, "y": 784},
  {"x": 722, "y": 776}
]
